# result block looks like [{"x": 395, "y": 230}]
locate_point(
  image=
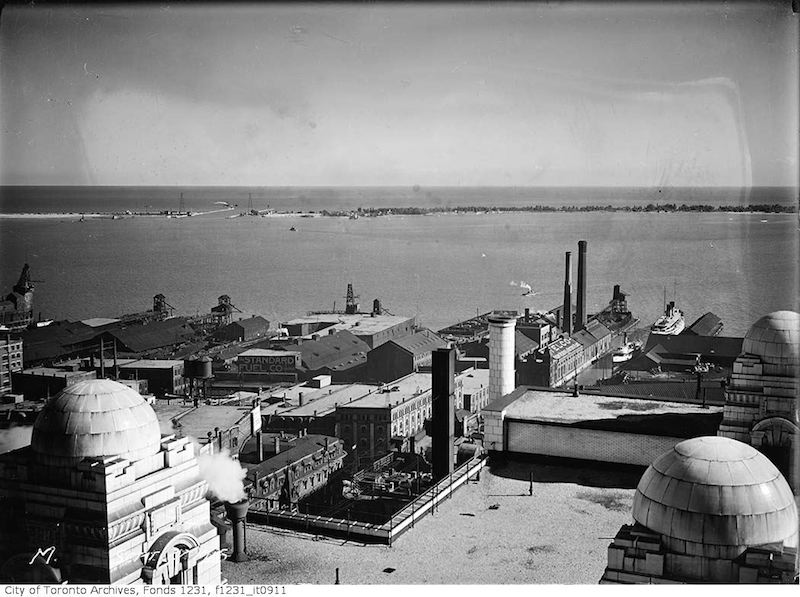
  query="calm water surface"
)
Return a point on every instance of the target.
[{"x": 441, "y": 268}]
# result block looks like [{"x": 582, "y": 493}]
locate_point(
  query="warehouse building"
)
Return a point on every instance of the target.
[
  {"x": 243, "y": 330},
  {"x": 164, "y": 376},
  {"x": 402, "y": 356},
  {"x": 136, "y": 339},
  {"x": 40, "y": 383},
  {"x": 342, "y": 355},
  {"x": 372, "y": 328}
]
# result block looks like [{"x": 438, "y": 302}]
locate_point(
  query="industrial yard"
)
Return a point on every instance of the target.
[{"x": 490, "y": 532}]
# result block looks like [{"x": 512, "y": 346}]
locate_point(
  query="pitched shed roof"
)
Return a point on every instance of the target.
[
  {"x": 706, "y": 325},
  {"x": 157, "y": 334},
  {"x": 332, "y": 350},
  {"x": 687, "y": 344},
  {"x": 420, "y": 343}
]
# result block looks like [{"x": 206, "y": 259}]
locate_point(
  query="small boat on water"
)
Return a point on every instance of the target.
[
  {"x": 292, "y": 229},
  {"x": 671, "y": 323},
  {"x": 625, "y": 352}
]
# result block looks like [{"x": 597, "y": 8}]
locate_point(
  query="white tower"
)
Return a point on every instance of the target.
[{"x": 501, "y": 355}]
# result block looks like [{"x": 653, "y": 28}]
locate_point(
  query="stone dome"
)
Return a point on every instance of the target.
[
  {"x": 95, "y": 418},
  {"x": 776, "y": 339},
  {"x": 715, "y": 497}
]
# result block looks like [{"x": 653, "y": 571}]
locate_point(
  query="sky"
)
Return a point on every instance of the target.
[{"x": 523, "y": 94}]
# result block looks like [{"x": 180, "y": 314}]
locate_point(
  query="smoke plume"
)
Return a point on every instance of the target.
[
  {"x": 522, "y": 284},
  {"x": 15, "y": 437},
  {"x": 224, "y": 475}
]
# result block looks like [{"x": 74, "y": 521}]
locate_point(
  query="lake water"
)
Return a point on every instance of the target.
[{"x": 442, "y": 268}]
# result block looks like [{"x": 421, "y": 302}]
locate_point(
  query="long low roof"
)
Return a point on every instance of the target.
[
  {"x": 609, "y": 412},
  {"x": 359, "y": 323}
]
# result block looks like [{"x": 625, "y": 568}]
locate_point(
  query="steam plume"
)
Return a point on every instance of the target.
[
  {"x": 224, "y": 475},
  {"x": 15, "y": 437}
]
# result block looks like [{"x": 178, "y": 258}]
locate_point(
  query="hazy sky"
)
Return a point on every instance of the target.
[{"x": 521, "y": 94}]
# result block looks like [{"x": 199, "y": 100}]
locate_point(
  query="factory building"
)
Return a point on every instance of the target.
[
  {"x": 10, "y": 361},
  {"x": 396, "y": 411},
  {"x": 371, "y": 328},
  {"x": 16, "y": 310},
  {"x": 401, "y": 356},
  {"x": 293, "y": 468},
  {"x": 243, "y": 330},
  {"x": 761, "y": 399},
  {"x": 708, "y": 510},
  {"x": 268, "y": 364},
  {"x": 164, "y": 376},
  {"x": 101, "y": 497}
]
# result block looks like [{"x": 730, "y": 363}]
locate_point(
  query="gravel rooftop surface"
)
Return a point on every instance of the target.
[{"x": 559, "y": 535}]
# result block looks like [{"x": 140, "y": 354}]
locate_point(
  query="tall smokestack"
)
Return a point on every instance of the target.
[
  {"x": 443, "y": 411},
  {"x": 237, "y": 513},
  {"x": 566, "y": 319},
  {"x": 581, "y": 314},
  {"x": 501, "y": 355}
]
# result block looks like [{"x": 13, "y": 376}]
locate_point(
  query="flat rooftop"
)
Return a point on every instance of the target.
[
  {"x": 489, "y": 532},
  {"x": 326, "y": 399},
  {"x": 151, "y": 364},
  {"x": 561, "y": 407},
  {"x": 473, "y": 380},
  {"x": 197, "y": 422},
  {"x": 407, "y": 387},
  {"x": 612, "y": 413},
  {"x": 359, "y": 323},
  {"x": 267, "y": 352}
]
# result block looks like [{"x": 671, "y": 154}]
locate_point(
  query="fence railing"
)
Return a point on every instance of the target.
[{"x": 425, "y": 503}]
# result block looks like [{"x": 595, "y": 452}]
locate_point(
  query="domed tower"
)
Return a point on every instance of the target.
[
  {"x": 761, "y": 400},
  {"x": 101, "y": 497},
  {"x": 712, "y": 509}
]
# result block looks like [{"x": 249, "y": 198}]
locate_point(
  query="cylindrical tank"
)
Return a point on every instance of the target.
[
  {"x": 501, "y": 355},
  {"x": 190, "y": 368},
  {"x": 204, "y": 367}
]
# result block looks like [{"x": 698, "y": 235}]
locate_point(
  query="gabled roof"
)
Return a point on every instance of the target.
[
  {"x": 706, "y": 325},
  {"x": 419, "y": 343},
  {"x": 584, "y": 338},
  {"x": 332, "y": 350},
  {"x": 157, "y": 334},
  {"x": 597, "y": 329},
  {"x": 720, "y": 347},
  {"x": 523, "y": 344},
  {"x": 58, "y": 339},
  {"x": 253, "y": 324}
]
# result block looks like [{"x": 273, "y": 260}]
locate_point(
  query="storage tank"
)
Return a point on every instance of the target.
[{"x": 204, "y": 368}]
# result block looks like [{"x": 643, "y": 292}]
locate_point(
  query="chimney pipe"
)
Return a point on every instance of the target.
[
  {"x": 277, "y": 445},
  {"x": 260, "y": 446},
  {"x": 567, "y": 317},
  {"x": 237, "y": 514},
  {"x": 300, "y": 399},
  {"x": 527, "y": 314},
  {"x": 443, "y": 411},
  {"x": 581, "y": 314}
]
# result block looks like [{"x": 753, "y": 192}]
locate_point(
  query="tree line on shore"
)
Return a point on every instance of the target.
[{"x": 650, "y": 207}]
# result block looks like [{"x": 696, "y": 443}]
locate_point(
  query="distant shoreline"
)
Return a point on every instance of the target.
[{"x": 371, "y": 212}]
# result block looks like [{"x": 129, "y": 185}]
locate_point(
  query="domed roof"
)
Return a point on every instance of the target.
[
  {"x": 775, "y": 338},
  {"x": 716, "y": 496},
  {"x": 95, "y": 418}
]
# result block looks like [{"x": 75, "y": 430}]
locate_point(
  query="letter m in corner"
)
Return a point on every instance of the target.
[{"x": 46, "y": 554}]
